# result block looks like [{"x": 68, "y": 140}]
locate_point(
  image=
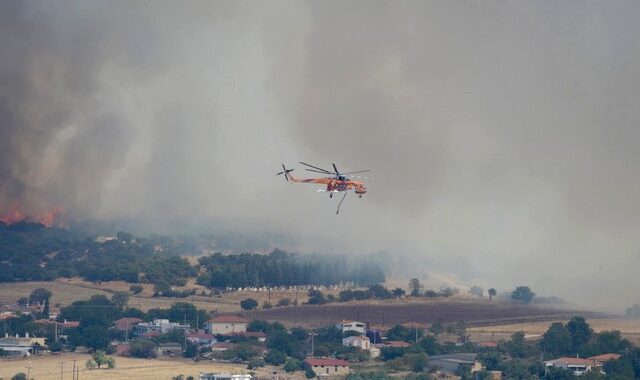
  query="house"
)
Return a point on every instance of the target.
[
  {"x": 452, "y": 362},
  {"x": 577, "y": 365},
  {"x": 359, "y": 341},
  {"x": 255, "y": 335},
  {"x": 222, "y": 376},
  {"x": 226, "y": 324},
  {"x": 159, "y": 326},
  {"x": 599, "y": 360},
  {"x": 223, "y": 346},
  {"x": 169, "y": 349},
  {"x": 126, "y": 323},
  {"x": 201, "y": 338},
  {"x": 396, "y": 344},
  {"x": 17, "y": 346},
  {"x": 328, "y": 366},
  {"x": 358, "y": 327}
]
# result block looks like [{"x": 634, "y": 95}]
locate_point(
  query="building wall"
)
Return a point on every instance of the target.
[
  {"x": 331, "y": 370},
  {"x": 226, "y": 328}
]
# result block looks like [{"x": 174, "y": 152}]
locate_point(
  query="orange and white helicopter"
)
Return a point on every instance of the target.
[{"x": 336, "y": 183}]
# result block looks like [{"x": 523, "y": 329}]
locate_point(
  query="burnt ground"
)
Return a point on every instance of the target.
[{"x": 389, "y": 313}]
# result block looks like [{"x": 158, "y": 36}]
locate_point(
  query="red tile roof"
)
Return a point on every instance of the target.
[
  {"x": 488, "y": 344},
  {"x": 127, "y": 321},
  {"x": 604, "y": 357},
  {"x": 573, "y": 361},
  {"x": 229, "y": 319},
  {"x": 326, "y": 362},
  {"x": 397, "y": 343}
]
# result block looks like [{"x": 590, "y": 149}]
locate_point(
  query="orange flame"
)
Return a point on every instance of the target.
[{"x": 15, "y": 213}]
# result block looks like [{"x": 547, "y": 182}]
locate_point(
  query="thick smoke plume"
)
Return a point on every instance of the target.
[{"x": 503, "y": 134}]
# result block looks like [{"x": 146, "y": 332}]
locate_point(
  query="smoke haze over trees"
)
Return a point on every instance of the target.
[{"x": 503, "y": 135}]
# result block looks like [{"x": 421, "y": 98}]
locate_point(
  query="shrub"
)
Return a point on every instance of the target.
[
  {"x": 248, "y": 304},
  {"x": 284, "y": 302}
]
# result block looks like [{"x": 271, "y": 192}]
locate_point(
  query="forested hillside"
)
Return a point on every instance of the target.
[{"x": 32, "y": 252}]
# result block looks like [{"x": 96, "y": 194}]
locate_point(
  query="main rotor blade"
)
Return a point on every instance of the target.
[
  {"x": 336, "y": 169},
  {"x": 315, "y": 167},
  {"x": 278, "y": 173},
  {"x": 359, "y": 171},
  {"x": 318, "y": 171}
]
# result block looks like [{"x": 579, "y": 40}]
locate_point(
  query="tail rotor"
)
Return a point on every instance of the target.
[{"x": 286, "y": 172}]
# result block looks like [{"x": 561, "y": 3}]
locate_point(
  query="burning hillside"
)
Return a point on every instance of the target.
[{"x": 15, "y": 213}]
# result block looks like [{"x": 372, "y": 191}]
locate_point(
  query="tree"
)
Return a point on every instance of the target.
[
  {"x": 111, "y": 362},
  {"x": 316, "y": 297},
  {"x": 309, "y": 374},
  {"x": 100, "y": 358},
  {"x": 255, "y": 363},
  {"x": 292, "y": 365},
  {"x": 556, "y": 341},
  {"x": 415, "y": 287},
  {"x": 120, "y": 299},
  {"x": 136, "y": 289},
  {"x": 398, "y": 292},
  {"x": 476, "y": 291},
  {"x": 248, "y": 304},
  {"x": 90, "y": 364},
  {"x": 492, "y": 293},
  {"x": 275, "y": 357},
  {"x": 19, "y": 376},
  {"x": 555, "y": 373},
  {"x": 522, "y": 294},
  {"x": 580, "y": 332},
  {"x": 142, "y": 348}
]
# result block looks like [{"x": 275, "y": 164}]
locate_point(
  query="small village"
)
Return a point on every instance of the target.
[{"x": 336, "y": 351}]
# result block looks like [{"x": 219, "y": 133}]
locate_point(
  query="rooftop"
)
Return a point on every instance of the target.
[
  {"x": 229, "y": 319},
  {"x": 326, "y": 362}
]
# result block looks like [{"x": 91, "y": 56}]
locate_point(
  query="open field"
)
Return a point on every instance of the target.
[
  {"x": 390, "y": 312},
  {"x": 48, "y": 367},
  {"x": 65, "y": 291},
  {"x": 630, "y": 329}
]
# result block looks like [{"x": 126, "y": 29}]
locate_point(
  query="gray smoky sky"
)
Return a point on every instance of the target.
[{"x": 503, "y": 134}]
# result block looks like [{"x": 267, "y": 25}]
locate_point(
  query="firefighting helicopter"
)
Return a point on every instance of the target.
[{"x": 337, "y": 182}]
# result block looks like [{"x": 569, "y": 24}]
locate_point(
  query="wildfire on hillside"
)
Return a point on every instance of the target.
[{"x": 15, "y": 213}]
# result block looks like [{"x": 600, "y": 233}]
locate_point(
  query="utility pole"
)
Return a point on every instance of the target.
[
  {"x": 29, "y": 371},
  {"x": 55, "y": 326},
  {"x": 312, "y": 335},
  {"x": 73, "y": 374},
  {"x": 61, "y": 370}
]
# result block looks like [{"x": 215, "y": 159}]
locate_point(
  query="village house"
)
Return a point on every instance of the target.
[
  {"x": 362, "y": 342},
  {"x": 577, "y": 365},
  {"x": 359, "y": 341},
  {"x": 599, "y": 360},
  {"x": 227, "y": 324},
  {"x": 328, "y": 366},
  {"x": 449, "y": 364},
  {"x": 126, "y": 323},
  {"x": 396, "y": 344},
  {"x": 17, "y": 346},
  {"x": 358, "y": 327},
  {"x": 169, "y": 349},
  {"x": 158, "y": 326},
  {"x": 201, "y": 338}
]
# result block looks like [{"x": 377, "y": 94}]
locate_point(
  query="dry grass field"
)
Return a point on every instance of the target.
[
  {"x": 48, "y": 367},
  {"x": 65, "y": 291},
  {"x": 630, "y": 329}
]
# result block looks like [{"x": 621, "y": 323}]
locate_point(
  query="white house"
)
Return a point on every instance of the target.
[
  {"x": 227, "y": 324},
  {"x": 360, "y": 341},
  {"x": 358, "y": 327},
  {"x": 161, "y": 326},
  {"x": 577, "y": 365}
]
